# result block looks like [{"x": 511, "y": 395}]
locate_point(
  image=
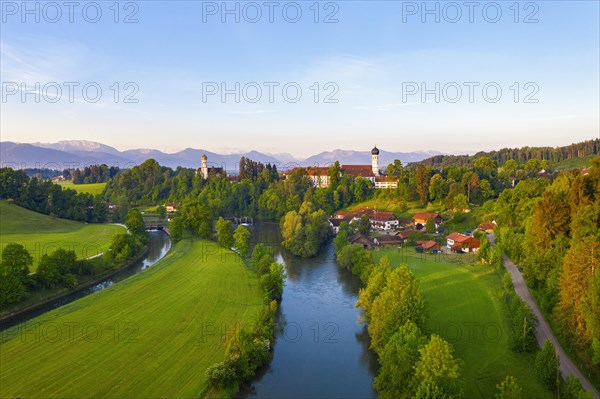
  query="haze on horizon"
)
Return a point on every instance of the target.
[{"x": 367, "y": 61}]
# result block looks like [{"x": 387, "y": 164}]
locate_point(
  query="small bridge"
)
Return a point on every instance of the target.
[
  {"x": 241, "y": 220},
  {"x": 154, "y": 226}
]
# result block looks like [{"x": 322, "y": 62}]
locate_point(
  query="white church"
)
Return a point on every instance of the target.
[{"x": 319, "y": 175}]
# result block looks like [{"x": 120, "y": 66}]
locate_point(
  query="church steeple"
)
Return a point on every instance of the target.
[{"x": 375, "y": 160}]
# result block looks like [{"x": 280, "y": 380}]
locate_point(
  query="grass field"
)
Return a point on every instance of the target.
[
  {"x": 152, "y": 335},
  {"x": 95, "y": 188},
  {"x": 41, "y": 234},
  {"x": 464, "y": 306}
]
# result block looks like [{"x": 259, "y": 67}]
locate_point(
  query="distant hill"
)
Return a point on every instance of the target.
[
  {"x": 78, "y": 153},
  {"x": 560, "y": 158},
  {"x": 346, "y": 157}
]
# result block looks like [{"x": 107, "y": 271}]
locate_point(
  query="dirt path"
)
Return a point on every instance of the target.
[{"x": 544, "y": 332}]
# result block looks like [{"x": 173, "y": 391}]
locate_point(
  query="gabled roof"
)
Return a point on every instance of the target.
[
  {"x": 389, "y": 239},
  {"x": 358, "y": 170},
  {"x": 335, "y": 222},
  {"x": 486, "y": 226},
  {"x": 427, "y": 244},
  {"x": 381, "y": 216},
  {"x": 360, "y": 236},
  {"x": 404, "y": 234},
  {"x": 426, "y": 215}
]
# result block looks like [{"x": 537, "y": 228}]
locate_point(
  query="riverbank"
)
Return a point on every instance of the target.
[
  {"x": 152, "y": 335},
  {"x": 62, "y": 293}
]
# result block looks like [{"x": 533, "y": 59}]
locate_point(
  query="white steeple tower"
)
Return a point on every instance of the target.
[{"x": 375, "y": 160}]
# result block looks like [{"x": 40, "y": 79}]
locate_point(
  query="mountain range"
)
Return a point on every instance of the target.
[{"x": 78, "y": 153}]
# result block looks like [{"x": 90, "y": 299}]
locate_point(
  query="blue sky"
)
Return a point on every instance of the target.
[{"x": 368, "y": 61}]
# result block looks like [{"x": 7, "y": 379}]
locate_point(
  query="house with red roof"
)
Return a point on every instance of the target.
[{"x": 462, "y": 243}]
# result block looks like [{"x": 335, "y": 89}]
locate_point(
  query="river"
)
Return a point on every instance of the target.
[
  {"x": 321, "y": 347},
  {"x": 159, "y": 245}
]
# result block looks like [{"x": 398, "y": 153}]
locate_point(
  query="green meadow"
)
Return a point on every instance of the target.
[
  {"x": 465, "y": 306},
  {"x": 41, "y": 234},
  {"x": 93, "y": 188},
  {"x": 152, "y": 335}
]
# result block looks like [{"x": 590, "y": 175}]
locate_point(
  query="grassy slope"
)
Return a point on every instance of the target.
[
  {"x": 165, "y": 315},
  {"x": 94, "y": 188},
  {"x": 41, "y": 234},
  {"x": 464, "y": 306}
]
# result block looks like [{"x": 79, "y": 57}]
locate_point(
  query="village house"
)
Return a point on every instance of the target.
[
  {"x": 488, "y": 227},
  {"x": 429, "y": 245},
  {"x": 335, "y": 224},
  {"x": 362, "y": 239},
  {"x": 462, "y": 243},
  {"x": 171, "y": 207},
  {"x": 421, "y": 218},
  {"x": 387, "y": 241},
  {"x": 385, "y": 221},
  {"x": 382, "y": 220},
  {"x": 405, "y": 234}
]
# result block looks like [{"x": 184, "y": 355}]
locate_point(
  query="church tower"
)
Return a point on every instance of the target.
[
  {"x": 375, "y": 160},
  {"x": 204, "y": 168}
]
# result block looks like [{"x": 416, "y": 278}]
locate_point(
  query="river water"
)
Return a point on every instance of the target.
[
  {"x": 159, "y": 245},
  {"x": 321, "y": 347}
]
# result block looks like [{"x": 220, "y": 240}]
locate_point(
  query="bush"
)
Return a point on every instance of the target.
[
  {"x": 221, "y": 375},
  {"x": 509, "y": 389}
]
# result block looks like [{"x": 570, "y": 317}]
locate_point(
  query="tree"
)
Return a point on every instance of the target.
[
  {"x": 509, "y": 389},
  {"x": 437, "y": 187},
  {"x": 11, "y": 289},
  {"x": 15, "y": 261},
  {"x": 571, "y": 388},
  {"x": 460, "y": 203},
  {"x": 273, "y": 282},
  {"x": 364, "y": 225},
  {"x": 485, "y": 167},
  {"x": 546, "y": 366},
  {"x": 437, "y": 365},
  {"x": 176, "y": 228},
  {"x": 423, "y": 177},
  {"x": 334, "y": 172},
  {"x": 224, "y": 234},
  {"x": 162, "y": 212},
  {"x": 471, "y": 180},
  {"x": 197, "y": 217},
  {"x": 397, "y": 360},
  {"x": 240, "y": 238},
  {"x": 135, "y": 222},
  {"x": 341, "y": 239},
  {"x": 401, "y": 300},
  {"x": 430, "y": 226},
  {"x": 486, "y": 189}
]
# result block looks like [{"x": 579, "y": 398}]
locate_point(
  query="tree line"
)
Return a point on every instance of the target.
[
  {"x": 522, "y": 155},
  {"x": 553, "y": 231},
  {"x": 91, "y": 174},
  {"x": 51, "y": 199}
]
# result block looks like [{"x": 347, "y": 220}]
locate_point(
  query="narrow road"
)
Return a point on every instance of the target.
[{"x": 544, "y": 332}]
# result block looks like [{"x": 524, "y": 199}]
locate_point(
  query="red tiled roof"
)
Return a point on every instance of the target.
[
  {"x": 486, "y": 226},
  {"x": 426, "y": 245},
  {"x": 457, "y": 237},
  {"x": 381, "y": 216},
  {"x": 358, "y": 170},
  {"x": 425, "y": 215}
]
